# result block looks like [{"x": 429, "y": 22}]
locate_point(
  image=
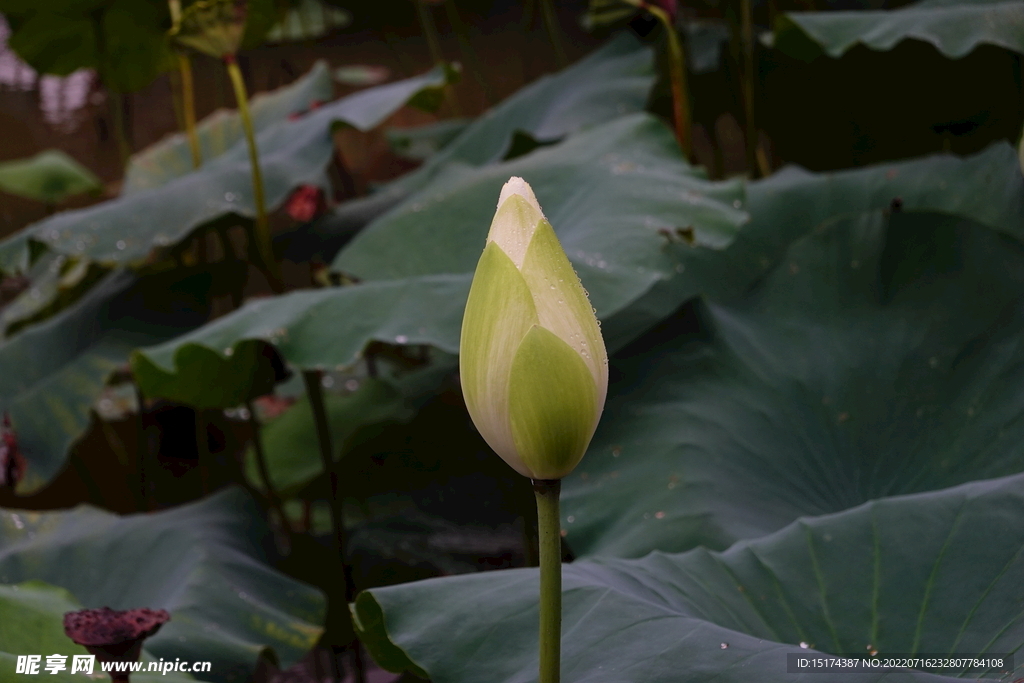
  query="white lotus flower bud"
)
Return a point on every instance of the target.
[{"x": 533, "y": 363}]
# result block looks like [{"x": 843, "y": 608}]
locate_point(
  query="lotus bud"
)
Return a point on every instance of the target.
[{"x": 532, "y": 360}]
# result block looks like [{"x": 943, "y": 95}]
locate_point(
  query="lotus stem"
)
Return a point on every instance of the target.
[
  {"x": 188, "y": 108},
  {"x": 547, "y": 10},
  {"x": 314, "y": 391},
  {"x": 550, "y": 532},
  {"x": 276, "y": 504},
  {"x": 681, "y": 118},
  {"x": 747, "y": 24},
  {"x": 264, "y": 246}
]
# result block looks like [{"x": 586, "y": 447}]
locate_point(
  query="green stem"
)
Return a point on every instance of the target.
[
  {"x": 188, "y": 108},
  {"x": 554, "y": 32},
  {"x": 314, "y": 391},
  {"x": 264, "y": 246},
  {"x": 550, "y": 531},
  {"x": 276, "y": 504},
  {"x": 677, "y": 77}
]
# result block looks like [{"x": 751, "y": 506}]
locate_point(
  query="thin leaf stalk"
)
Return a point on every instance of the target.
[
  {"x": 264, "y": 246},
  {"x": 273, "y": 498},
  {"x": 315, "y": 393},
  {"x": 681, "y": 117},
  {"x": 188, "y": 108},
  {"x": 550, "y": 536}
]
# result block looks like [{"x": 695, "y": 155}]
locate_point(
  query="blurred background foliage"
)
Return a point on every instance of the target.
[{"x": 804, "y": 246}]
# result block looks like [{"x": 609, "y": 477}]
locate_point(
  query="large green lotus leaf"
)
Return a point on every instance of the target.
[
  {"x": 955, "y": 29},
  {"x": 882, "y": 356},
  {"x": 62, "y": 36},
  {"x": 612, "y": 193},
  {"x": 220, "y": 131},
  {"x": 986, "y": 187},
  {"x": 325, "y": 328},
  {"x": 128, "y": 229},
  {"x": 33, "y": 623},
  {"x": 201, "y": 562},
  {"x": 49, "y": 176},
  {"x": 51, "y": 373},
  {"x": 612, "y": 81},
  {"x": 933, "y": 573}
]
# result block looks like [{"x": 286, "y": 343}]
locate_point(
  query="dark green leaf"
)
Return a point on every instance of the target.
[
  {"x": 201, "y": 562},
  {"x": 326, "y": 328},
  {"x": 613, "y": 81},
  {"x": 51, "y": 373},
  {"x": 125, "y": 40},
  {"x": 931, "y": 573},
  {"x": 955, "y": 29},
  {"x": 882, "y": 356}
]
